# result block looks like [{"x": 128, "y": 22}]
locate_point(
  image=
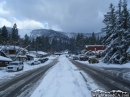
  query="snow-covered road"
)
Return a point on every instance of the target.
[
  {"x": 113, "y": 69},
  {"x": 65, "y": 80}
]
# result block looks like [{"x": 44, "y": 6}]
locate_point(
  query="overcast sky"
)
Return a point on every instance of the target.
[{"x": 62, "y": 15}]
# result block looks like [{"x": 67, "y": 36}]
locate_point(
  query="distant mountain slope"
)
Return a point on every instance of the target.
[
  {"x": 49, "y": 33},
  {"x": 52, "y": 33},
  {"x": 22, "y": 32},
  {"x": 73, "y": 34}
]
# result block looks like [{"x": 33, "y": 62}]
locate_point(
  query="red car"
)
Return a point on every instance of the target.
[{"x": 84, "y": 58}]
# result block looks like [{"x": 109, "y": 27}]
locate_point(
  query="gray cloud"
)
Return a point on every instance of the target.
[{"x": 67, "y": 15}]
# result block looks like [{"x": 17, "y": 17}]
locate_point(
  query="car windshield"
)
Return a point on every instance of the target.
[{"x": 13, "y": 64}]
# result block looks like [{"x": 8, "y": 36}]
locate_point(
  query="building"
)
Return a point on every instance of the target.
[
  {"x": 39, "y": 54},
  {"x": 58, "y": 53},
  {"x": 30, "y": 56},
  {"x": 4, "y": 61},
  {"x": 95, "y": 48},
  {"x": 16, "y": 53}
]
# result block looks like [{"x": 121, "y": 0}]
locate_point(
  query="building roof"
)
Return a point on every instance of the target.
[
  {"x": 12, "y": 48},
  {"x": 94, "y": 46},
  {"x": 31, "y": 55},
  {"x": 38, "y": 52},
  {"x": 41, "y": 53},
  {"x": 5, "y": 59}
]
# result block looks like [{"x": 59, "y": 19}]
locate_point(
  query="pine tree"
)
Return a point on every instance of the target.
[
  {"x": 14, "y": 36},
  {"x": 32, "y": 45},
  {"x": 26, "y": 40},
  {"x": 4, "y": 35},
  {"x": 93, "y": 39},
  {"x": 80, "y": 42},
  {"x": 47, "y": 44},
  {"x": 109, "y": 21},
  {"x": 53, "y": 44},
  {"x": 118, "y": 41}
]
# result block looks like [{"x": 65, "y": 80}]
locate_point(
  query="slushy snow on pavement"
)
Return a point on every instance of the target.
[{"x": 64, "y": 80}]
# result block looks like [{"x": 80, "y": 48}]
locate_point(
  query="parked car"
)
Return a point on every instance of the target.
[
  {"x": 93, "y": 60},
  {"x": 75, "y": 58},
  {"x": 15, "y": 66},
  {"x": 84, "y": 58},
  {"x": 33, "y": 62},
  {"x": 42, "y": 60},
  {"x": 45, "y": 59}
]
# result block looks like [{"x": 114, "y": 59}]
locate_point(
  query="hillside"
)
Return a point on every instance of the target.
[{"x": 52, "y": 33}]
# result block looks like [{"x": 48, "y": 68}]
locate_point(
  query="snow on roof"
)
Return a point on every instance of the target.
[
  {"x": 32, "y": 55},
  {"x": 38, "y": 52},
  {"x": 5, "y": 59},
  {"x": 12, "y": 48},
  {"x": 93, "y": 45},
  {"x": 41, "y": 52}
]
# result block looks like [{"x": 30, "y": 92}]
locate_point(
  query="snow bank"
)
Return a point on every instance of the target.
[
  {"x": 64, "y": 80},
  {"x": 101, "y": 64}
]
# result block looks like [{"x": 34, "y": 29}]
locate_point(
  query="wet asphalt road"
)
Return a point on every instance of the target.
[{"x": 110, "y": 81}]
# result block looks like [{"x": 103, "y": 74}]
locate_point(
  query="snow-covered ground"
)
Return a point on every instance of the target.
[
  {"x": 65, "y": 80},
  {"x": 101, "y": 64},
  {"x": 114, "y": 69},
  {"x": 8, "y": 75}
]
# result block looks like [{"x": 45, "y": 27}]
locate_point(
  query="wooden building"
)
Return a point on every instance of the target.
[
  {"x": 4, "y": 61},
  {"x": 95, "y": 48},
  {"x": 16, "y": 53}
]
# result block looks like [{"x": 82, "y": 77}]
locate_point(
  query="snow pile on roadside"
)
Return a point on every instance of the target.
[
  {"x": 101, "y": 64},
  {"x": 63, "y": 80}
]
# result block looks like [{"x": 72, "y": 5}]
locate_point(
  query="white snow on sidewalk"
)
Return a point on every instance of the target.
[{"x": 63, "y": 80}]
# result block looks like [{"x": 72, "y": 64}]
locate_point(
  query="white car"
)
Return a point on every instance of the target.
[
  {"x": 15, "y": 66},
  {"x": 33, "y": 62}
]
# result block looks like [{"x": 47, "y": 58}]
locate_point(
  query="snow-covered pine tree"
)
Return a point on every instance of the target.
[
  {"x": 109, "y": 21},
  {"x": 118, "y": 40},
  {"x": 14, "y": 35},
  {"x": 26, "y": 40}
]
